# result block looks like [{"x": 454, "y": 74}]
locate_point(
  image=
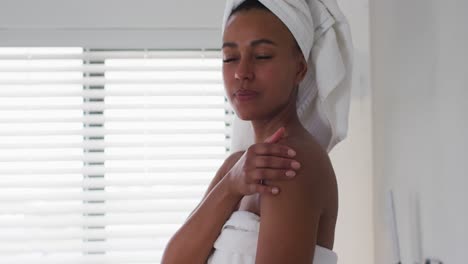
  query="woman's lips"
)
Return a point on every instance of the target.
[{"x": 245, "y": 95}]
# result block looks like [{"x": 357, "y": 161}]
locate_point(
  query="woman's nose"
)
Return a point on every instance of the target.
[{"x": 244, "y": 70}]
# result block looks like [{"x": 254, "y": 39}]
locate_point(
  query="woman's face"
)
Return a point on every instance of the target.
[{"x": 261, "y": 64}]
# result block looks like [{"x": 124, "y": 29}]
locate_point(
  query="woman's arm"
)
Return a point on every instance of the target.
[
  {"x": 237, "y": 177},
  {"x": 193, "y": 242},
  {"x": 289, "y": 222}
]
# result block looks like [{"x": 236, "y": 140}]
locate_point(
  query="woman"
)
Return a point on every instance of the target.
[{"x": 276, "y": 202}]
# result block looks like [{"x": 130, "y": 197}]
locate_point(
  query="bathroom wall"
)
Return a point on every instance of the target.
[
  {"x": 352, "y": 158},
  {"x": 419, "y": 83},
  {"x": 122, "y": 23}
]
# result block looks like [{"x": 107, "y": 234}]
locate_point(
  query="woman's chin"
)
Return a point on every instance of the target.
[{"x": 246, "y": 116}]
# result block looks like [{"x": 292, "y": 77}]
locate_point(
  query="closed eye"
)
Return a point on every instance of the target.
[
  {"x": 263, "y": 57},
  {"x": 229, "y": 60}
]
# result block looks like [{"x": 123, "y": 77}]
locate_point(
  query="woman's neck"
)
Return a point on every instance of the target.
[{"x": 287, "y": 118}]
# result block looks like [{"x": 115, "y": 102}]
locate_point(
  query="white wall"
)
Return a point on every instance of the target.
[
  {"x": 188, "y": 23},
  {"x": 121, "y": 23},
  {"x": 420, "y": 125},
  {"x": 110, "y": 14},
  {"x": 352, "y": 159}
]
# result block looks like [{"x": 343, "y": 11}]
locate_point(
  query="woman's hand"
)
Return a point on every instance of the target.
[{"x": 263, "y": 162}]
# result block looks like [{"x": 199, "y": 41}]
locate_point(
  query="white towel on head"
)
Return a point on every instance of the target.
[{"x": 323, "y": 34}]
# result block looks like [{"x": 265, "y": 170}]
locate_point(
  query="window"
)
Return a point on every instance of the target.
[{"x": 104, "y": 153}]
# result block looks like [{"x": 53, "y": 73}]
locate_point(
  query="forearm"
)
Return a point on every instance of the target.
[{"x": 194, "y": 241}]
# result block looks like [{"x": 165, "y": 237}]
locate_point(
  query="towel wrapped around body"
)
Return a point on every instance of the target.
[{"x": 237, "y": 243}]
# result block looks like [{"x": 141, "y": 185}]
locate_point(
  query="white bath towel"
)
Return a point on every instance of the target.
[
  {"x": 237, "y": 243},
  {"x": 323, "y": 34}
]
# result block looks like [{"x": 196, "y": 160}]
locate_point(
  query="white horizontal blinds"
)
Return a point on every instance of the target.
[
  {"x": 182, "y": 143},
  {"x": 93, "y": 121},
  {"x": 41, "y": 150},
  {"x": 110, "y": 176}
]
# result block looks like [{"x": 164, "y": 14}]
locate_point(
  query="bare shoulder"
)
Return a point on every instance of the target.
[
  {"x": 318, "y": 176},
  {"x": 300, "y": 206},
  {"x": 316, "y": 167},
  {"x": 228, "y": 163},
  {"x": 233, "y": 158}
]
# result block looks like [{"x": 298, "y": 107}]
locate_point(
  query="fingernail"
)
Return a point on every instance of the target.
[
  {"x": 291, "y": 153},
  {"x": 275, "y": 190},
  {"x": 291, "y": 173},
  {"x": 296, "y": 165}
]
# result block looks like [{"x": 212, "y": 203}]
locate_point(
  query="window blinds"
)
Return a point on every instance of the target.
[{"x": 104, "y": 153}]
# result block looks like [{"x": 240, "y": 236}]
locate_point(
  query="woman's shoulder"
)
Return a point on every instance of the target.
[
  {"x": 231, "y": 160},
  {"x": 308, "y": 150},
  {"x": 309, "y": 201},
  {"x": 316, "y": 168}
]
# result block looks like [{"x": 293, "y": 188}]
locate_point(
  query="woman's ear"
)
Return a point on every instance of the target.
[{"x": 302, "y": 68}]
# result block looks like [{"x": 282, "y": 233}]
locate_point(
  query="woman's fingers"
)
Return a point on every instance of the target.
[
  {"x": 273, "y": 175},
  {"x": 269, "y": 149},
  {"x": 274, "y": 162},
  {"x": 262, "y": 178},
  {"x": 262, "y": 163},
  {"x": 276, "y": 136},
  {"x": 264, "y": 189},
  {"x": 265, "y": 153}
]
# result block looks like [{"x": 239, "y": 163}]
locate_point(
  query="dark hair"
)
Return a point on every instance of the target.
[
  {"x": 249, "y": 5},
  {"x": 255, "y": 4}
]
